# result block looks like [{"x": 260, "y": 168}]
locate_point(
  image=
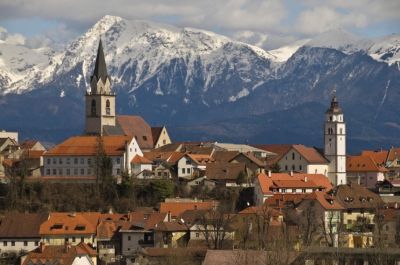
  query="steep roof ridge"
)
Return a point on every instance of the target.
[{"x": 100, "y": 68}]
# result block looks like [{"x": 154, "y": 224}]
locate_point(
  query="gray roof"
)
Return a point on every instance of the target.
[
  {"x": 112, "y": 130},
  {"x": 100, "y": 68}
]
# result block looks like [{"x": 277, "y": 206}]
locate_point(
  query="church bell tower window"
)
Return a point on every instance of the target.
[
  {"x": 93, "y": 107},
  {"x": 108, "y": 107}
]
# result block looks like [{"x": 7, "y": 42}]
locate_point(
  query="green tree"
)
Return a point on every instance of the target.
[{"x": 275, "y": 168}]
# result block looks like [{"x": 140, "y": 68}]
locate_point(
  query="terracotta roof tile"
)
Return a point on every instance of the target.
[
  {"x": 363, "y": 164},
  {"x": 224, "y": 170},
  {"x": 327, "y": 201},
  {"x": 355, "y": 196},
  {"x": 310, "y": 154},
  {"x": 140, "y": 160},
  {"x": 70, "y": 223},
  {"x": 378, "y": 156},
  {"x": 16, "y": 225},
  {"x": 156, "y": 132},
  {"x": 177, "y": 208},
  {"x": 87, "y": 145}
]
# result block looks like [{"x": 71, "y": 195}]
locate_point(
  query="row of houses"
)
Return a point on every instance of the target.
[{"x": 346, "y": 216}]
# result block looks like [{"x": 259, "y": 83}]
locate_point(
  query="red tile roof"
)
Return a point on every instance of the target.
[
  {"x": 64, "y": 255},
  {"x": 87, "y": 145},
  {"x": 177, "y": 208},
  {"x": 328, "y": 202},
  {"x": 17, "y": 225},
  {"x": 363, "y": 164},
  {"x": 156, "y": 132},
  {"x": 70, "y": 223},
  {"x": 136, "y": 126},
  {"x": 394, "y": 153},
  {"x": 200, "y": 159},
  {"x": 285, "y": 180},
  {"x": 140, "y": 160},
  {"x": 378, "y": 156}
]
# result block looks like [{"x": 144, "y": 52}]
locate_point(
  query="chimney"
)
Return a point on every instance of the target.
[
  {"x": 291, "y": 173},
  {"x": 169, "y": 216},
  {"x": 269, "y": 173},
  {"x": 67, "y": 247},
  {"x": 41, "y": 247},
  {"x": 305, "y": 179},
  {"x": 263, "y": 170}
]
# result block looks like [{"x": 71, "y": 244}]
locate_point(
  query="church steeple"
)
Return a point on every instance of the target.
[
  {"x": 100, "y": 81},
  {"x": 100, "y": 101},
  {"x": 100, "y": 68}
]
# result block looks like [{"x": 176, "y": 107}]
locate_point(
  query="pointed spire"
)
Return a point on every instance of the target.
[
  {"x": 335, "y": 108},
  {"x": 100, "y": 68}
]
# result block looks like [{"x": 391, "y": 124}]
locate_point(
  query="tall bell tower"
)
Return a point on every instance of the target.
[
  {"x": 100, "y": 101},
  {"x": 335, "y": 143}
]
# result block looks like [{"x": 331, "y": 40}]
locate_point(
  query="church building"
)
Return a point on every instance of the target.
[
  {"x": 100, "y": 116},
  {"x": 335, "y": 143}
]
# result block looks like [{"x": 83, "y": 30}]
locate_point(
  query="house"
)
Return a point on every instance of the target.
[
  {"x": 32, "y": 145},
  {"x": 138, "y": 231},
  {"x": 11, "y": 135},
  {"x": 269, "y": 184},
  {"x": 227, "y": 174},
  {"x": 73, "y": 228},
  {"x": 75, "y": 157},
  {"x": 360, "y": 206},
  {"x": 192, "y": 165},
  {"x": 171, "y": 234},
  {"x": 320, "y": 212},
  {"x": 303, "y": 159},
  {"x": 177, "y": 206},
  {"x": 20, "y": 231},
  {"x": 393, "y": 162},
  {"x": 254, "y": 165},
  {"x": 365, "y": 171},
  {"x": 8, "y": 146},
  {"x": 141, "y": 164},
  {"x": 243, "y": 148},
  {"x": 81, "y": 254},
  {"x": 389, "y": 187},
  {"x": 379, "y": 156},
  {"x": 160, "y": 136}
]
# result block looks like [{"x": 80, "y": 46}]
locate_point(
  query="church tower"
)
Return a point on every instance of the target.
[
  {"x": 100, "y": 101},
  {"x": 335, "y": 143}
]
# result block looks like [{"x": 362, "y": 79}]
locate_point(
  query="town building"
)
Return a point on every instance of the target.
[
  {"x": 76, "y": 156},
  {"x": 266, "y": 185},
  {"x": 365, "y": 171}
]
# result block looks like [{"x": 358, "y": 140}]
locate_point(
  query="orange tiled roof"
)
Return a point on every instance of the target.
[
  {"x": 201, "y": 159},
  {"x": 327, "y": 201},
  {"x": 278, "y": 201},
  {"x": 140, "y": 160},
  {"x": 284, "y": 180},
  {"x": 64, "y": 255},
  {"x": 378, "y": 156},
  {"x": 70, "y": 223},
  {"x": 363, "y": 164},
  {"x": 177, "y": 208},
  {"x": 87, "y": 145}
]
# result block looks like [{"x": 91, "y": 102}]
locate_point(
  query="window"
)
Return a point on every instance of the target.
[
  {"x": 89, "y": 161},
  {"x": 183, "y": 171},
  {"x": 303, "y": 190},
  {"x": 75, "y": 160},
  {"x": 93, "y": 108},
  {"x": 188, "y": 170},
  {"x": 286, "y": 167},
  {"x": 5, "y": 243},
  {"x": 159, "y": 173},
  {"x": 25, "y": 243},
  {"x": 13, "y": 243},
  {"x": 73, "y": 239},
  {"x": 48, "y": 161},
  {"x": 89, "y": 171},
  {"x": 66, "y": 240},
  {"x": 55, "y": 172},
  {"x": 82, "y": 161},
  {"x": 68, "y": 171},
  {"x": 197, "y": 235},
  {"x": 187, "y": 162},
  {"x": 283, "y": 190},
  {"x": 293, "y": 156},
  {"x": 48, "y": 172},
  {"x": 60, "y": 161},
  {"x": 36, "y": 243},
  {"x": 118, "y": 160},
  {"x": 82, "y": 171},
  {"x": 300, "y": 167},
  {"x": 129, "y": 238},
  {"x": 165, "y": 174},
  {"x": 293, "y": 167},
  {"x": 341, "y": 130},
  {"x": 164, "y": 141},
  {"x": 108, "y": 111},
  {"x": 118, "y": 171},
  {"x": 68, "y": 161},
  {"x": 144, "y": 137},
  {"x": 82, "y": 239},
  {"x": 54, "y": 161}
]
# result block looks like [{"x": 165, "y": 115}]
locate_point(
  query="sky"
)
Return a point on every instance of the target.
[{"x": 265, "y": 23}]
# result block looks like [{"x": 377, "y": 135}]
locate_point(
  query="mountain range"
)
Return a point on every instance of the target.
[{"x": 208, "y": 87}]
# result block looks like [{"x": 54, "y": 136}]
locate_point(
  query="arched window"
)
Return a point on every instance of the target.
[
  {"x": 341, "y": 130},
  {"x": 93, "y": 108},
  {"x": 293, "y": 156},
  {"x": 108, "y": 107}
]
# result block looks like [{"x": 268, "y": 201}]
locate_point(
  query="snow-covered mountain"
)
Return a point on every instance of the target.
[{"x": 190, "y": 79}]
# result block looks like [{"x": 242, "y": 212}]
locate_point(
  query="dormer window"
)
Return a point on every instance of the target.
[
  {"x": 57, "y": 226},
  {"x": 80, "y": 228}
]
